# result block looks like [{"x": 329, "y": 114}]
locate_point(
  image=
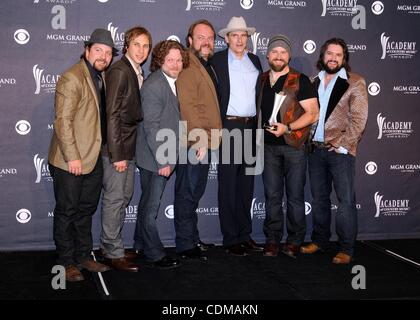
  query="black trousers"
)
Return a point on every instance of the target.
[
  {"x": 236, "y": 188},
  {"x": 76, "y": 200}
]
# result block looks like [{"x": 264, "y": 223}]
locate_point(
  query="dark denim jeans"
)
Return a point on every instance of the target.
[
  {"x": 76, "y": 200},
  {"x": 146, "y": 235},
  {"x": 327, "y": 168},
  {"x": 284, "y": 167},
  {"x": 190, "y": 184}
]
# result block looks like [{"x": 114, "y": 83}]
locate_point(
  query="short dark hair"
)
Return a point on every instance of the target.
[
  {"x": 196, "y": 23},
  {"x": 161, "y": 50},
  {"x": 341, "y": 43},
  {"x": 134, "y": 33}
]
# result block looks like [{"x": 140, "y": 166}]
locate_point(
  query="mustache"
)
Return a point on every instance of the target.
[{"x": 334, "y": 61}]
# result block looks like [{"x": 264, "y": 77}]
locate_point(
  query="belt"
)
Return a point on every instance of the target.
[
  {"x": 240, "y": 119},
  {"x": 320, "y": 145}
]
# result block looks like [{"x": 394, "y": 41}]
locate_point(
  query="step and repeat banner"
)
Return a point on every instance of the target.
[{"x": 41, "y": 38}]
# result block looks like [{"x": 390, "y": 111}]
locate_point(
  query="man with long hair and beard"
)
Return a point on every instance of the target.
[{"x": 342, "y": 120}]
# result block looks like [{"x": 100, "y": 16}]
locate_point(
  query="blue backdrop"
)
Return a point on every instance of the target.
[{"x": 42, "y": 38}]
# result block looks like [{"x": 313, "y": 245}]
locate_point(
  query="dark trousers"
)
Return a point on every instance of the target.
[
  {"x": 235, "y": 188},
  {"x": 190, "y": 184},
  {"x": 327, "y": 168},
  {"x": 76, "y": 200},
  {"x": 146, "y": 235},
  {"x": 284, "y": 167}
]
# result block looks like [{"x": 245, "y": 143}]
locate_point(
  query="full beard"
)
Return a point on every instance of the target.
[
  {"x": 277, "y": 68},
  {"x": 331, "y": 70}
]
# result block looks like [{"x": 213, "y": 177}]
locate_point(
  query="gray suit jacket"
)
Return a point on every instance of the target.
[{"x": 160, "y": 111}]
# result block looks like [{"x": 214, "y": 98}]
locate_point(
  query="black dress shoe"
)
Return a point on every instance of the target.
[
  {"x": 237, "y": 250},
  {"x": 194, "y": 253},
  {"x": 291, "y": 250},
  {"x": 251, "y": 245},
  {"x": 204, "y": 246},
  {"x": 166, "y": 263}
]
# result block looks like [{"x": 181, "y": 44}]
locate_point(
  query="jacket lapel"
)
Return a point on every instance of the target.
[
  {"x": 133, "y": 75},
  {"x": 340, "y": 87},
  {"x": 89, "y": 80}
]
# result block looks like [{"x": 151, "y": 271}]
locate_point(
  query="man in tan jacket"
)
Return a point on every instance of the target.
[
  {"x": 74, "y": 161},
  {"x": 200, "y": 110}
]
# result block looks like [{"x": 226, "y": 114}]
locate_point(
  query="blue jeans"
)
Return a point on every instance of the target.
[
  {"x": 190, "y": 184},
  {"x": 284, "y": 167},
  {"x": 146, "y": 235},
  {"x": 327, "y": 168}
]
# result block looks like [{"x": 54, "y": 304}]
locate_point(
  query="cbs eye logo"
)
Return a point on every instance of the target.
[
  {"x": 22, "y": 36},
  {"x": 174, "y": 38},
  {"x": 308, "y": 208},
  {"x": 371, "y": 168},
  {"x": 169, "y": 212},
  {"x": 309, "y": 46},
  {"x": 23, "y": 215},
  {"x": 377, "y": 7},
  {"x": 247, "y": 4},
  {"x": 23, "y": 127},
  {"x": 374, "y": 88}
]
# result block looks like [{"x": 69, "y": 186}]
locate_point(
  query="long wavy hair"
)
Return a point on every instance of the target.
[
  {"x": 342, "y": 44},
  {"x": 161, "y": 50}
]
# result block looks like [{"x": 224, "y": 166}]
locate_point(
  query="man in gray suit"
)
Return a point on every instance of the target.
[{"x": 157, "y": 144}]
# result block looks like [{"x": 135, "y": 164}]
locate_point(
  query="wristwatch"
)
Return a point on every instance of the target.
[{"x": 289, "y": 130}]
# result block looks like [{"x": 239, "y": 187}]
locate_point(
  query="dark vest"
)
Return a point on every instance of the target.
[{"x": 291, "y": 108}]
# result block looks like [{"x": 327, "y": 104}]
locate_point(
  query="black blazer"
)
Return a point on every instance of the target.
[
  {"x": 220, "y": 64},
  {"x": 123, "y": 110}
]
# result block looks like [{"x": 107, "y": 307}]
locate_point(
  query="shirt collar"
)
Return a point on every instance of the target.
[
  {"x": 138, "y": 70},
  {"x": 170, "y": 79},
  {"x": 232, "y": 56}
]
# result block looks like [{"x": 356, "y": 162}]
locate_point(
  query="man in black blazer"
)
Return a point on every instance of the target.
[
  {"x": 123, "y": 109},
  {"x": 237, "y": 73}
]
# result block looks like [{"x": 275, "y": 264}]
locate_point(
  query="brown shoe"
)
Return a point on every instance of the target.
[
  {"x": 122, "y": 264},
  {"x": 94, "y": 266},
  {"x": 310, "y": 248},
  {"x": 271, "y": 250},
  {"x": 341, "y": 258},
  {"x": 73, "y": 274},
  {"x": 291, "y": 250}
]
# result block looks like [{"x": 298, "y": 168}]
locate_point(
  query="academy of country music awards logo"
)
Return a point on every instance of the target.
[
  {"x": 41, "y": 169},
  {"x": 259, "y": 43},
  {"x": 397, "y": 49},
  {"x": 130, "y": 214},
  {"x": 393, "y": 129},
  {"x": 212, "y": 175},
  {"x": 118, "y": 37},
  {"x": 409, "y": 8},
  {"x": 287, "y": 4},
  {"x": 390, "y": 208},
  {"x": 44, "y": 82},
  {"x": 206, "y": 5},
  {"x": 338, "y": 7}
]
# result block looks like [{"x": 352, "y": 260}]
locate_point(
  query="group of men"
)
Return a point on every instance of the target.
[{"x": 107, "y": 123}]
